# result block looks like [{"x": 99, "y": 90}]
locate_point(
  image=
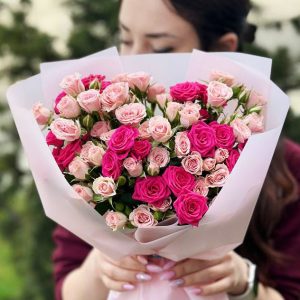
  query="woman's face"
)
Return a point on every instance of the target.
[{"x": 148, "y": 26}]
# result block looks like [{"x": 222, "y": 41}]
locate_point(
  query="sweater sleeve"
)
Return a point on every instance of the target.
[{"x": 68, "y": 255}]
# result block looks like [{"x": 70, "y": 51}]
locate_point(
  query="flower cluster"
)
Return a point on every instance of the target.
[{"x": 140, "y": 153}]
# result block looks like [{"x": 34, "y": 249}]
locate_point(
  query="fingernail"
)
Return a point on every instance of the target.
[
  {"x": 169, "y": 265},
  {"x": 154, "y": 268},
  {"x": 176, "y": 282},
  {"x": 128, "y": 287},
  {"x": 167, "y": 275},
  {"x": 142, "y": 259},
  {"x": 194, "y": 290},
  {"x": 143, "y": 277}
]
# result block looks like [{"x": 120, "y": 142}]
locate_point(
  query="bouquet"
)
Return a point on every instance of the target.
[{"x": 190, "y": 127}]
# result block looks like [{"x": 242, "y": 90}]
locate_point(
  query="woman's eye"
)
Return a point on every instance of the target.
[
  {"x": 164, "y": 50},
  {"x": 125, "y": 42}
]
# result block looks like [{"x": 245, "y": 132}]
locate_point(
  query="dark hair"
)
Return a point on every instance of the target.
[{"x": 214, "y": 18}]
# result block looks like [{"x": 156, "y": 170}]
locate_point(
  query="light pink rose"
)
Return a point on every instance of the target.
[
  {"x": 106, "y": 136},
  {"x": 133, "y": 167},
  {"x": 218, "y": 93},
  {"x": 68, "y": 107},
  {"x": 104, "y": 186},
  {"x": 190, "y": 114},
  {"x": 114, "y": 96},
  {"x": 221, "y": 154},
  {"x": 142, "y": 217},
  {"x": 84, "y": 153},
  {"x": 193, "y": 163},
  {"x": 122, "y": 77},
  {"x": 162, "y": 99},
  {"x": 153, "y": 169},
  {"x": 95, "y": 155},
  {"x": 201, "y": 187},
  {"x": 155, "y": 90},
  {"x": 218, "y": 177},
  {"x": 182, "y": 144},
  {"x": 144, "y": 133},
  {"x": 241, "y": 130},
  {"x": 139, "y": 80},
  {"x": 160, "y": 129},
  {"x": 65, "y": 129},
  {"x": 115, "y": 220},
  {"x": 83, "y": 191},
  {"x": 255, "y": 122},
  {"x": 41, "y": 114},
  {"x": 131, "y": 114},
  {"x": 89, "y": 100},
  {"x": 172, "y": 110},
  {"x": 72, "y": 85},
  {"x": 162, "y": 206},
  {"x": 209, "y": 163},
  {"x": 159, "y": 156},
  {"x": 223, "y": 77},
  {"x": 78, "y": 168},
  {"x": 99, "y": 128},
  {"x": 256, "y": 99}
]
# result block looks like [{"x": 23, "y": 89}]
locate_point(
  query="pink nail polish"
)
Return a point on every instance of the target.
[
  {"x": 194, "y": 290},
  {"x": 167, "y": 275},
  {"x": 176, "y": 283},
  {"x": 142, "y": 259},
  {"x": 143, "y": 277},
  {"x": 169, "y": 265},
  {"x": 128, "y": 287},
  {"x": 154, "y": 268}
]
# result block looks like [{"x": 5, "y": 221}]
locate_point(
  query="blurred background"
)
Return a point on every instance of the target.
[{"x": 32, "y": 31}]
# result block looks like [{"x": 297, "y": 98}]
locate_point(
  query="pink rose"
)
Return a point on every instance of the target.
[
  {"x": 202, "y": 138},
  {"x": 222, "y": 77},
  {"x": 133, "y": 167},
  {"x": 221, "y": 154},
  {"x": 104, "y": 186},
  {"x": 201, "y": 187},
  {"x": 209, "y": 163},
  {"x": 186, "y": 91},
  {"x": 141, "y": 149},
  {"x": 182, "y": 144},
  {"x": 162, "y": 206},
  {"x": 218, "y": 177},
  {"x": 52, "y": 140},
  {"x": 89, "y": 101},
  {"x": 65, "y": 129},
  {"x": 122, "y": 77},
  {"x": 72, "y": 85},
  {"x": 92, "y": 154},
  {"x": 190, "y": 208},
  {"x": 92, "y": 78},
  {"x": 155, "y": 90},
  {"x": 232, "y": 159},
  {"x": 160, "y": 129},
  {"x": 177, "y": 179},
  {"x": 84, "y": 192},
  {"x": 142, "y": 217},
  {"x": 256, "y": 99},
  {"x": 159, "y": 156},
  {"x": 218, "y": 93},
  {"x": 68, "y": 107},
  {"x": 111, "y": 165},
  {"x": 193, "y": 163},
  {"x": 99, "y": 128},
  {"x": 41, "y": 114},
  {"x": 114, "y": 96},
  {"x": 144, "y": 131},
  {"x": 106, "y": 136},
  {"x": 57, "y": 100},
  {"x": 255, "y": 122},
  {"x": 122, "y": 140},
  {"x": 78, "y": 168},
  {"x": 115, "y": 220},
  {"x": 172, "y": 110},
  {"x": 190, "y": 114},
  {"x": 241, "y": 130},
  {"x": 224, "y": 135},
  {"x": 162, "y": 99},
  {"x": 151, "y": 189},
  {"x": 131, "y": 114},
  {"x": 139, "y": 80}
]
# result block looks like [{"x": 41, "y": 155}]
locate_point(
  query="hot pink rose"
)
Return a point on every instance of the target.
[
  {"x": 89, "y": 100},
  {"x": 218, "y": 177},
  {"x": 193, "y": 163},
  {"x": 256, "y": 99},
  {"x": 186, "y": 91},
  {"x": 144, "y": 131},
  {"x": 91, "y": 78},
  {"x": 224, "y": 135},
  {"x": 159, "y": 156},
  {"x": 131, "y": 114},
  {"x": 115, "y": 220},
  {"x": 202, "y": 138},
  {"x": 41, "y": 114},
  {"x": 114, "y": 96},
  {"x": 255, "y": 122},
  {"x": 52, "y": 140},
  {"x": 65, "y": 129},
  {"x": 111, "y": 165},
  {"x": 177, "y": 179},
  {"x": 68, "y": 107},
  {"x": 57, "y": 100},
  {"x": 139, "y": 80},
  {"x": 78, "y": 168},
  {"x": 209, "y": 163},
  {"x": 241, "y": 130},
  {"x": 182, "y": 144},
  {"x": 99, "y": 128},
  {"x": 218, "y": 93},
  {"x": 162, "y": 99},
  {"x": 172, "y": 110},
  {"x": 122, "y": 140},
  {"x": 162, "y": 206},
  {"x": 155, "y": 90},
  {"x": 221, "y": 154},
  {"x": 104, "y": 186},
  {"x": 151, "y": 189},
  {"x": 133, "y": 167},
  {"x": 160, "y": 129},
  {"x": 106, "y": 136},
  {"x": 222, "y": 77},
  {"x": 83, "y": 191},
  {"x": 142, "y": 217},
  {"x": 232, "y": 159},
  {"x": 72, "y": 85},
  {"x": 201, "y": 187},
  {"x": 141, "y": 149},
  {"x": 190, "y": 208},
  {"x": 190, "y": 114}
]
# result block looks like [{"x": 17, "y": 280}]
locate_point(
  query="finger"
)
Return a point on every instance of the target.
[
  {"x": 119, "y": 286},
  {"x": 217, "y": 287},
  {"x": 129, "y": 263}
]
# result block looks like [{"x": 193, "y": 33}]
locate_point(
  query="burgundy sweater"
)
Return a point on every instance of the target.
[{"x": 71, "y": 251}]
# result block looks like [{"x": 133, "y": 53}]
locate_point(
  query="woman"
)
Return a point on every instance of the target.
[{"x": 273, "y": 238}]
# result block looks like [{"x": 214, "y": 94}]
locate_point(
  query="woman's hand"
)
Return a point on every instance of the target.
[{"x": 227, "y": 274}]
